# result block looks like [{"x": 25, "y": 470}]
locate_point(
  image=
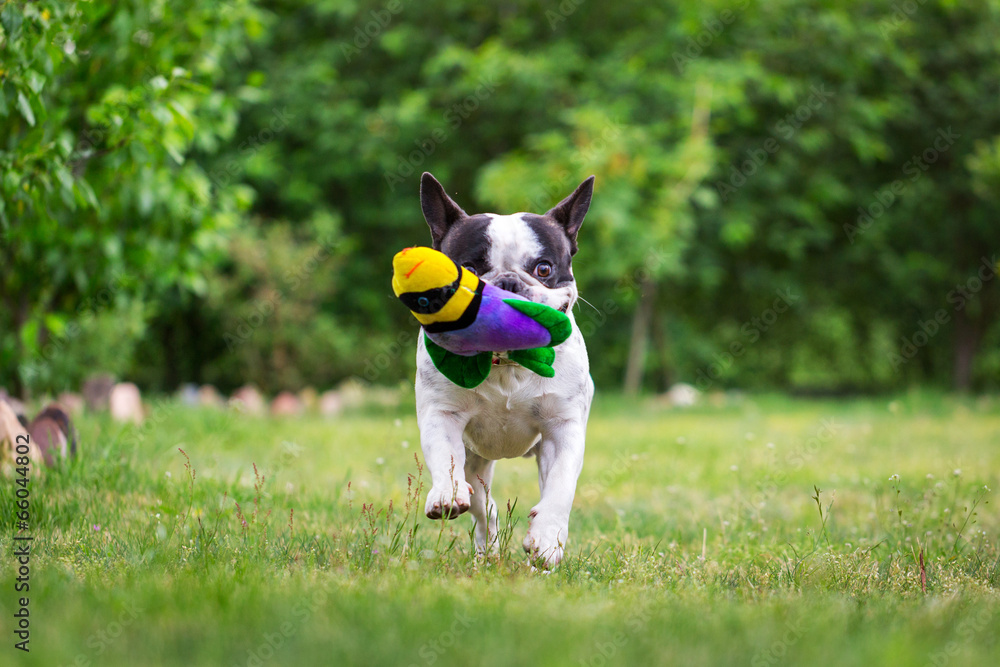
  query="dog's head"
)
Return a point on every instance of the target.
[{"x": 524, "y": 253}]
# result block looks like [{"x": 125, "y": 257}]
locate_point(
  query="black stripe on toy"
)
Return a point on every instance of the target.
[
  {"x": 436, "y": 297},
  {"x": 467, "y": 318}
]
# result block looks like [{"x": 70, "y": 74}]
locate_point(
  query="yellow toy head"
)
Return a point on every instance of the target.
[{"x": 432, "y": 285}]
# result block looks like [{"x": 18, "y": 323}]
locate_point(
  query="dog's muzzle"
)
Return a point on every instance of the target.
[{"x": 510, "y": 283}]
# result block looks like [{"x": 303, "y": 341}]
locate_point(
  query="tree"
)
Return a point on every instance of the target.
[
  {"x": 100, "y": 106},
  {"x": 745, "y": 229}
]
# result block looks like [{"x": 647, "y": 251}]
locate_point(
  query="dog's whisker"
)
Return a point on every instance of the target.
[{"x": 580, "y": 298}]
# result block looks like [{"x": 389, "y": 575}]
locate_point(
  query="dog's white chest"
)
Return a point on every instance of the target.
[{"x": 505, "y": 421}]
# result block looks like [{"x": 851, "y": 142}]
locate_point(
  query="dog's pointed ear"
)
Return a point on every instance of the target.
[
  {"x": 440, "y": 211},
  {"x": 569, "y": 213}
]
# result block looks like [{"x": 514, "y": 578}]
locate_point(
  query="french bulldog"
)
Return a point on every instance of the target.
[{"x": 514, "y": 412}]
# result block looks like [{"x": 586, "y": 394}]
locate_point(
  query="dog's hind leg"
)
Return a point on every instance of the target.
[
  {"x": 479, "y": 473},
  {"x": 560, "y": 460}
]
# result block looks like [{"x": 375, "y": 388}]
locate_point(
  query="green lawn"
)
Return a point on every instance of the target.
[{"x": 696, "y": 539}]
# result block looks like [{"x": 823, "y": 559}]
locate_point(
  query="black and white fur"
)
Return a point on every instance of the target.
[{"x": 514, "y": 412}]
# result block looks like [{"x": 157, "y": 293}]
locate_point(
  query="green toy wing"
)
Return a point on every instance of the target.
[
  {"x": 466, "y": 372},
  {"x": 556, "y": 323},
  {"x": 538, "y": 360}
]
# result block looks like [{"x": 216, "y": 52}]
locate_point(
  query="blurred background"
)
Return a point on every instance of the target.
[{"x": 791, "y": 195}]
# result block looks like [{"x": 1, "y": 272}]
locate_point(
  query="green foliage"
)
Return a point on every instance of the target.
[
  {"x": 733, "y": 146},
  {"x": 846, "y": 154},
  {"x": 101, "y": 105},
  {"x": 285, "y": 289}
]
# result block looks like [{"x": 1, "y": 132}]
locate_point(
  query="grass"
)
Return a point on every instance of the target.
[{"x": 765, "y": 531}]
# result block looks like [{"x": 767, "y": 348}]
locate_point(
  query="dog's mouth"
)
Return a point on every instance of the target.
[
  {"x": 541, "y": 298},
  {"x": 557, "y": 299}
]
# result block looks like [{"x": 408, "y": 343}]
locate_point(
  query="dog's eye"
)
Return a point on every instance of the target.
[
  {"x": 543, "y": 269},
  {"x": 471, "y": 269}
]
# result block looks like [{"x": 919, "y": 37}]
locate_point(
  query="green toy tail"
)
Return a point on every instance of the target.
[
  {"x": 469, "y": 372},
  {"x": 555, "y": 322},
  {"x": 540, "y": 359}
]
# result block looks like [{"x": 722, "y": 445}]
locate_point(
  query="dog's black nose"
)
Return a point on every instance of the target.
[{"x": 509, "y": 283}]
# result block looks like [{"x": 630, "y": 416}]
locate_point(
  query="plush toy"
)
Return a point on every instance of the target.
[{"x": 466, "y": 320}]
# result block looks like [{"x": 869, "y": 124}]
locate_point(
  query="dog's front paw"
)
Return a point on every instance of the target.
[
  {"x": 447, "y": 502},
  {"x": 546, "y": 540}
]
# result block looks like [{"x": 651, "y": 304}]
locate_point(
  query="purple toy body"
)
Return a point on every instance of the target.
[{"x": 496, "y": 327}]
